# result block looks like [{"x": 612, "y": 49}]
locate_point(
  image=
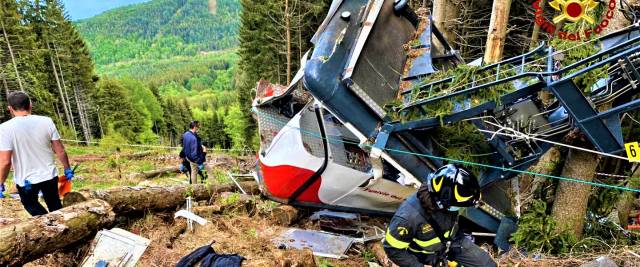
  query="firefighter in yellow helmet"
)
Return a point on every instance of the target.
[{"x": 424, "y": 228}]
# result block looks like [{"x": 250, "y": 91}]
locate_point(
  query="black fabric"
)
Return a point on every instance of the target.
[
  {"x": 29, "y": 198},
  {"x": 227, "y": 260},
  {"x": 196, "y": 256},
  {"x": 209, "y": 258}
]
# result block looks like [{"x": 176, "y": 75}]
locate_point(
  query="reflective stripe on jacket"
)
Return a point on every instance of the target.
[{"x": 410, "y": 236}]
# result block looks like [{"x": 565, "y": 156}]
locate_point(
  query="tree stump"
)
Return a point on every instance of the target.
[{"x": 284, "y": 215}]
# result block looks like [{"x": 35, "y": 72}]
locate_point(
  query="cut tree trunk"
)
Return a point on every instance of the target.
[
  {"x": 35, "y": 237},
  {"x": 285, "y": 215},
  {"x": 154, "y": 173},
  {"x": 497, "y": 31},
  {"x": 570, "y": 205},
  {"x": 136, "y": 199}
]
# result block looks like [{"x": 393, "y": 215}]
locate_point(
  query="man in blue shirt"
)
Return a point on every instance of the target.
[{"x": 193, "y": 152}]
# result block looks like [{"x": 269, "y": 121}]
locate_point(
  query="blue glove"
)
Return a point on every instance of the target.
[
  {"x": 181, "y": 168},
  {"x": 1, "y": 190},
  {"x": 27, "y": 185},
  {"x": 69, "y": 174},
  {"x": 201, "y": 167}
]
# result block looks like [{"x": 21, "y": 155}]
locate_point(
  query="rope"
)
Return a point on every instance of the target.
[
  {"x": 155, "y": 146},
  {"x": 463, "y": 162},
  {"x": 518, "y": 134}
]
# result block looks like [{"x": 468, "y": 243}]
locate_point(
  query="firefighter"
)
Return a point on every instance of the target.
[{"x": 424, "y": 230}]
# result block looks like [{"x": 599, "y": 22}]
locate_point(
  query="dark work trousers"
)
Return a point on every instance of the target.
[
  {"x": 49, "y": 190},
  {"x": 465, "y": 253}
]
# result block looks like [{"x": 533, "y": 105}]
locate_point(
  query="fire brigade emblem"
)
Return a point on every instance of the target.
[
  {"x": 426, "y": 228},
  {"x": 574, "y": 10},
  {"x": 402, "y": 231}
]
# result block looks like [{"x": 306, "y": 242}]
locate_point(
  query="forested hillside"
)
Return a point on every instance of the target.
[
  {"x": 162, "y": 29},
  {"x": 42, "y": 53}
]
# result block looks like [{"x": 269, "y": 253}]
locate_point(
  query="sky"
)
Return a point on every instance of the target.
[{"x": 80, "y": 9}]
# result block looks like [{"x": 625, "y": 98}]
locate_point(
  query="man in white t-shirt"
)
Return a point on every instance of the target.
[{"x": 28, "y": 143}]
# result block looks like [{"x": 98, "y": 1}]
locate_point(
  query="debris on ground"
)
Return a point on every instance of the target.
[
  {"x": 323, "y": 244},
  {"x": 116, "y": 247}
]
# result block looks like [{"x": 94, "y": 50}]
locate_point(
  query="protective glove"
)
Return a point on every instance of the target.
[
  {"x": 1, "y": 190},
  {"x": 27, "y": 185},
  {"x": 201, "y": 167},
  {"x": 69, "y": 174},
  {"x": 181, "y": 167}
]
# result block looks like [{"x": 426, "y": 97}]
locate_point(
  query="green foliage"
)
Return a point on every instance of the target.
[
  {"x": 462, "y": 141},
  {"x": 235, "y": 126},
  {"x": 112, "y": 141},
  {"x": 178, "y": 69},
  {"x": 263, "y": 50},
  {"x": 45, "y": 56},
  {"x": 368, "y": 256},
  {"x": 323, "y": 262},
  {"x": 537, "y": 232},
  {"x": 574, "y": 54},
  {"x": 463, "y": 76},
  {"x": 231, "y": 199},
  {"x": 117, "y": 110},
  {"x": 162, "y": 29}
]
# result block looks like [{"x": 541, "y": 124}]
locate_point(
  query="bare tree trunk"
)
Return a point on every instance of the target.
[
  {"x": 35, "y": 237},
  {"x": 6, "y": 86},
  {"x": 287, "y": 26},
  {"x": 300, "y": 52},
  {"x": 570, "y": 205},
  {"x": 13, "y": 58},
  {"x": 100, "y": 125},
  {"x": 64, "y": 103},
  {"x": 535, "y": 35},
  {"x": 66, "y": 94},
  {"x": 83, "y": 124},
  {"x": 445, "y": 14},
  {"x": 548, "y": 164},
  {"x": 497, "y": 31}
]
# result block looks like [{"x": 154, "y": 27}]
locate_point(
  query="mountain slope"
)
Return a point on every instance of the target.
[
  {"x": 162, "y": 29},
  {"x": 81, "y": 9}
]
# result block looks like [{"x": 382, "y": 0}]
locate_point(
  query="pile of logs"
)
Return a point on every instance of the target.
[{"x": 87, "y": 212}]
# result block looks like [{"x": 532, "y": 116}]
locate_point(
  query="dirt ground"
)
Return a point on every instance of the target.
[
  {"x": 233, "y": 231},
  {"x": 238, "y": 229}
]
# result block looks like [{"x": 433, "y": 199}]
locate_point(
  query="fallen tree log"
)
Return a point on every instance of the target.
[
  {"x": 135, "y": 199},
  {"x": 35, "y": 237},
  {"x": 154, "y": 173},
  {"x": 178, "y": 228}
]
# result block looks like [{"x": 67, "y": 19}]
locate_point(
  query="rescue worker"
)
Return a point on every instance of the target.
[{"x": 424, "y": 229}]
